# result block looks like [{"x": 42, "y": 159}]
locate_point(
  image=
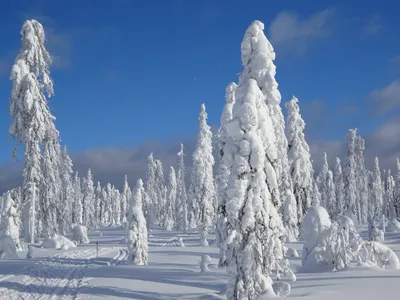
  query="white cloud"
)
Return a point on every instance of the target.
[
  {"x": 386, "y": 99},
  {"x": 373, "y": 26},
  {"x": 294, "y": 34}
]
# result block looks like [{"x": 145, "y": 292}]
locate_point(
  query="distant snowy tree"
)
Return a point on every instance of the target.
[
  {"x": 255, "y": 228},
  {"x": 78, "y": 197},
  {"x": 361, "y": 180},
  {"x": 160, "y": 192},
  {"x": 151, "y": 207},
  {"x": 170, "y": 217},
  {"x": 389, "y": 196},
  {"x": 65, "y": 206},
  {"x": 181, "y": 196},
  {"x": 316, "y": 199},
  {"x": 339, "y": 187},
  {"x": 376, "y": 198},
  {"x": 98, "y": 201},
  {"x": 116, "y": 206},
  {"x": 202, "y": 187},
  {"x": 125, "y": 199},
  {"x": 350, "y": 176},
  {"x": 30, "y": 114},
  {"x": 397, "y": 191},
  {"x": 301, "y": 168},
  {"x": 104, "y": 207},
  {"x": 221, "y": 178},
  {"x": 109, "y": 210},
  {"x": 88, "y": 200},
  {"x": 137, "y": 236},
  {"x": 322, "y": 180},
  {"x": 10, "y": 220},
  {"x": 331, "y": 195}
]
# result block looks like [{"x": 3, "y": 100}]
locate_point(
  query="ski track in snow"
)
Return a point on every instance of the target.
[{"x": 57, "y": 277}]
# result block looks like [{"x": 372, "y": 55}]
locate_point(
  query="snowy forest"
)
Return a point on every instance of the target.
[{"x": 257, "y": 195}]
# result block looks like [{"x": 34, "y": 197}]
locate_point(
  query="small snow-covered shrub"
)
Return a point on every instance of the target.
[
  {"x": 290, "y": 252},
  {"x": 180, "y": 242},
  {"x": 79, "y": 234},
  {"x": 7, "y": 248},
  {"x": 381, "y": 255},
  {"x": 377, "y": 235},
  {"x": 58, "y": 242},
  {"x": 205, "y": 261},
  {"x": 30, "y": 252},
  {"x": 281, "y": 288},
  {"x": 393, "y": 226}
]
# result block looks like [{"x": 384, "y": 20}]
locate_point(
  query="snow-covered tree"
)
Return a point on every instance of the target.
[
  {"x": 202, "y": 187},
  {"x": 339, "y": 187},
  {"x": 181, "y": 196},
  {"x": 160, "y": 192},
  {"x": 301, "y": 168},
  {"x": 362, "y": 186},
  {"x": 116, "y": 206},
  {"x": 77, "y": 213},
  {"x": 137, "y": 236},
  {"x": 375, "y": 208},
  {"x": 104, "y": 207},
  {"x": 316, "y": 195},
  {"x": 125, "y": 199},
  {"x": 170, "y": 217},
  {"x": 30, "y": 114},
  {"x": 88, "y": 200},
  {"x": 98, "y": 202},
  {"x": 389, "y": 196},
  {"x": 255, "y": 228},
  {"x": 65, "y": 206},
  {"x": 350, "y": 176},
  {"x": 397, "y": 192},
  {"x": 150, "y": 208},
  {"x": 109, "y": 211},
  {"x": 221, "y": 178},
  {"x": 10, "y": 220},
  {"x": 322, "y": 181},
  {"x": 330, "y": 195}
]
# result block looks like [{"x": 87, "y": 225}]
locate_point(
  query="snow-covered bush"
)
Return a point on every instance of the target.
[
  {"x": 58, "y": 242},
  {"x": 281, "y": 288},
  {"x": 381, "y": 255},
  {"x": 30, "y": 252},
  {"x": 290, "y": 252},
  {"x": 7, "y": 248},
  {"x": 10, "y": 220},
  {"x": 393, "y": 226},
  {"x": 205, "y": 261},
  {"x": 79, "y": 234}
]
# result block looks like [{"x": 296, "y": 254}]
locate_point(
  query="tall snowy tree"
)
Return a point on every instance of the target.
[
  {"x": 30, "y": 114},
  {"x": 88, "y": 200},
  {"x": 170, "y": 217},
  {"x": 350, "y": 177},
  {"x": 330, "y": 201},
  {"x": 181, "y": 196},
  {"x": 78, "y": 198},
  {"x": 202, "y": 187},
  {"x": 389, "y": 196},
  {"x": 125, "y": 199},
  {"x": 137, "y": 237},
  {"x": 397, "y": 191},
  {"x": 339, "y": 187},
  {"x": 99, "y": 203},
  {"x": 299, "y": 156},
  {"x": 362, "y": 184},
  {"x": 65, "y": 206},
  {"x": 316, "y": 199},
  {"x": 150, "y": 208},
  {"x": 116, "y": 206},
  {"x": 160, "y": 192},
  {"x": 376, "y": 198},
  {"x": 221, "y": 179},
  {"x": 110, "y": 205},
  {"x": 254, "y": 225},
  {"x": 322, "y": 181},
  {"x": 104, "y": 207}
]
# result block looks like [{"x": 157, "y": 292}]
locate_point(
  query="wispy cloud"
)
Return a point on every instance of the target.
[
  {"x": 373, "y": 26},
  {"x": 395, "y": 59},
  {"x": 386, "y": 99},
  {"x": 293, "y": 33}
]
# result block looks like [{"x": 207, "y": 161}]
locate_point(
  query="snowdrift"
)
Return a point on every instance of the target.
[{"x": 58, "y": 242}]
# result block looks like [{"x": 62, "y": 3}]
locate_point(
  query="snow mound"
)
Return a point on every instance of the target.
[
  {"x": 290, "y": 252},
  {"x": 7, "y": 248},
  {"x": 58, "y": 242},
  {"x": 79, "y": 234},
  {"x": 205, "y": 261},
  {"x": 281, "y": 288},
  {"x": 381, "y": 255},
  {"x": 393, "y": 226}
]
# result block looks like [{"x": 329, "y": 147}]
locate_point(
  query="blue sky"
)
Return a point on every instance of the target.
[{"x": 127, "y": 72}]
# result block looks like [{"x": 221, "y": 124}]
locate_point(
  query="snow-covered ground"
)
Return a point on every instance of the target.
[{"x": 173, "y": 273}]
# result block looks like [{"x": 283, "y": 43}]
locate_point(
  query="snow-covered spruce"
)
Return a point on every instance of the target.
[
  {"x": 67, "y": 193},
  {"x": 221, "y": 178},
  {"x": 389, "y": 196},
  {"x": 31, "y": 117},
  {"x": 170, "y": 216},
  {"x": 125, "y": 199},
  {"x": 362, "y": 180},
  {"x": 202, "y": 187},
  {"x": 252, "y": 192},
  {"x": 322, "y": 180},
  {"x": 88, "y": 202},
  {"x": 339, "y": 186},
  {"x": 137, "y": 236},
  {"x": 10, "y": 220},
  {"x": 299, "y": 157},
  {"x": 376, "y": 198},
  {"x": 77, "y": 212},
  {"x": 79, "y": 234},
  {"x": 181, "y": 197}
]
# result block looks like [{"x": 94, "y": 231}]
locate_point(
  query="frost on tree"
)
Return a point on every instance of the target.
[
  {"x": 350, "y": 176},
  {"x": 202, "y": 187},
  {"x": 299, "y": 156},
  {"x": 30, "y": 114},
  {"x": 221, "y": 178},
  {"x": 339, "y": 187},
  {"x": 125, "y": 199},
  {"x": 255, "y": 228},
  {"x": 137, "y": 236},
  {"x": 10, "y": 220},
  {"x": 170, "y": 219},
  {"x": 181, "y": 196}
]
